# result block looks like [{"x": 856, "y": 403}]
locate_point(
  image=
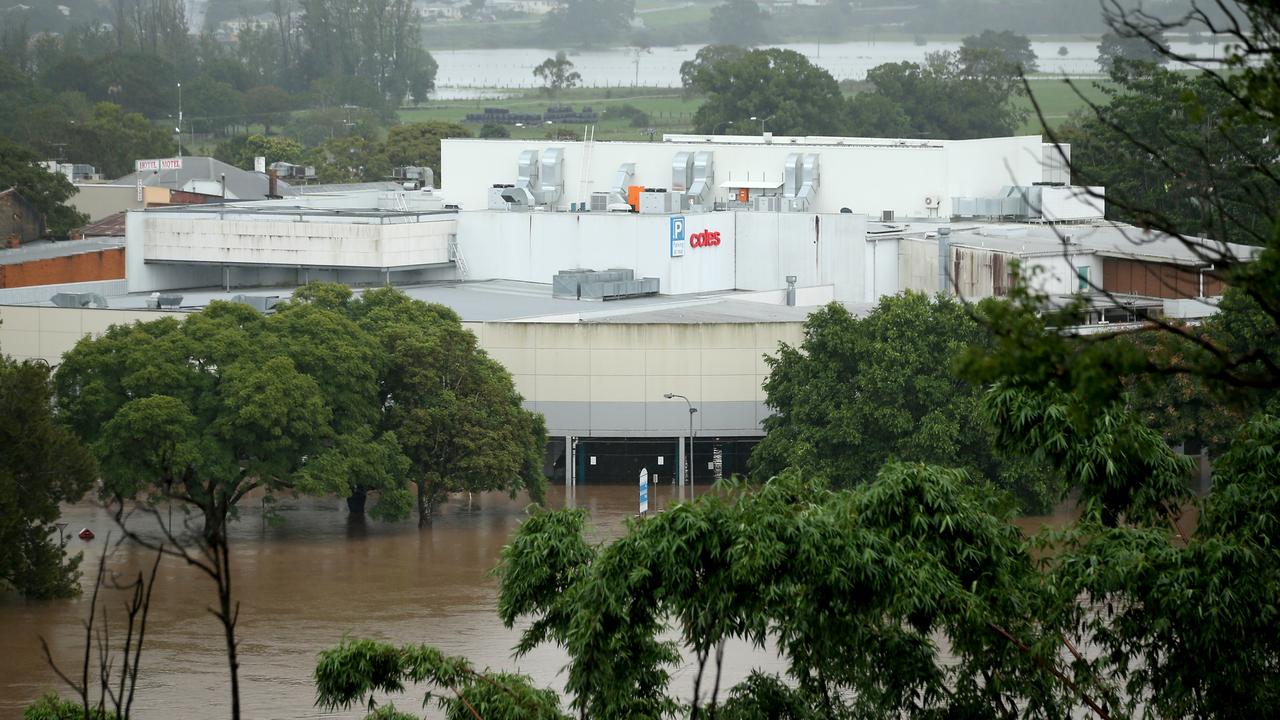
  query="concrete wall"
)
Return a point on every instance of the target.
[
  {"x": 826, "y": 249},
  {"x": 588, "y": 379},
  {"x": 608, "y": 380},
  {"x": 84, "y": 267},
  {"x": 757, "y": 251},
  {"x": 533, "y": 246},
  {"x": 865, "y": 175},
  {"x": 155, "y": 241},
  {"x": 99, "y": 201},
  {"x": 28, "y": 333}
]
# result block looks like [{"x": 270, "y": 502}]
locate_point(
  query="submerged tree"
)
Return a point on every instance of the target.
[
  {"x": 42, "y": 465},
  {"x": 454, "y": 409}
]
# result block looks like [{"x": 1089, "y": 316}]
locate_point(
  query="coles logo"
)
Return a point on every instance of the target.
[{"x": 706, "y": 238}]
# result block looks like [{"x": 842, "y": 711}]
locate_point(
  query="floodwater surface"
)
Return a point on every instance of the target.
[{"x": 303, "y": 585}]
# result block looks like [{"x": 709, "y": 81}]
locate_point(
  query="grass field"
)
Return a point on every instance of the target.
[
  {"x": 1057, "y": 99},
  {"x": 670, "y": 112}
]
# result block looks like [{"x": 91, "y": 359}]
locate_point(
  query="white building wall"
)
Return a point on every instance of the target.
[
  {"x": 757, "y": 251},
  {"x": 864, "y": 175},
  {"x": 275, "y": 247},
  {"x": 533, "y": 247},
  {"x": 1057, "y": 275}
]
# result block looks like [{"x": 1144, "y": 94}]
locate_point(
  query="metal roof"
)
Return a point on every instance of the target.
[
  {"x": 241, "y": 184},
  {"x": 48, "y": 249}
]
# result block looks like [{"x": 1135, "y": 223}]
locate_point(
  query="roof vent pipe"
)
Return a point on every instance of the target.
[
  {"x": 944, "y": 254},
  {"x": 791, "y": 291}
]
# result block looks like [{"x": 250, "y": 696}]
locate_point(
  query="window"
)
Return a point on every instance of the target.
[{"x": 1082, "y": 274}]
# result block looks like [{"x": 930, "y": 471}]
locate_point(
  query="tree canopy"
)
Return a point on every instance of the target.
[
  {"x": 557, "y": 73},
  {"x": 952, "y": 95},
  {"x": 858, "y": 392},
  {"x": 738, "y": 22},
  {"x": 47, "y": 191},
  {"x": 781, "y": 88},
  {"x": 42, "y": 464}
]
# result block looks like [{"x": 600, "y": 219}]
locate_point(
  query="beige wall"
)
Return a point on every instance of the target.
[
  {"x": 27, "y": 332},
  {"x": 586, "y": 378},
  {"x": 634, "y": 362}
]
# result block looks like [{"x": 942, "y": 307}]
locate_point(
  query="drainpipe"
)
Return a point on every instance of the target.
[
  {"x": 944, "y": 245},
  {"x": 791, "y": 291},
  {"x": 1201, "y": 273}
]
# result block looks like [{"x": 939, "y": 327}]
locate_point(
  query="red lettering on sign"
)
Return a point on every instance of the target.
[{"x": 706, "y": 238}]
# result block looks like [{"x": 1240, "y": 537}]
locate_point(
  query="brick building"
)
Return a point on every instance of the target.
[{"x": 20, "y": 221}]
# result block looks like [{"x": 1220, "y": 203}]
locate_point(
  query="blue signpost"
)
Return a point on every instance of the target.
[{"x": 644, "y": 490}]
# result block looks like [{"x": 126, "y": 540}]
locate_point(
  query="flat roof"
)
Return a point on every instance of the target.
[
  {"x": 513, "y": 301},
  {"x": 285, "y": 209},
  {"x": 49, "y": 249}
]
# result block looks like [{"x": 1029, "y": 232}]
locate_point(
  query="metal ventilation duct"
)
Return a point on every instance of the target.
[
  {"x": 78, "y": 300},
  {"x": 552, "y": 181},
  {"x": 808, "y": 181},
  {"x": 618, "y": 194},
  {"x": 682, "y": 175},
  {"x": 704, "y": 175},
  {"x": 791, "y": 169},
  {"x": 526, "y": 190}
]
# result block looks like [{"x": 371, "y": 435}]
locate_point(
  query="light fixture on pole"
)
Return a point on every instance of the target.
[
  {"x": 179, "y": 128},
  {"x": 763, "y": 121},
  {"x": 688, "y": 473}
]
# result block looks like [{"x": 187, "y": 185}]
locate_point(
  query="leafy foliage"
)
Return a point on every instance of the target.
[
  {"x": 859, "y": 392},
  {"x": 42, "y": 464},
  {"x": 738, "y": 22},
  {"x": 557, "y": 73},
  {"x": 781, "y": 87},
  {"x": 1163, "y": 139},
  {"x": 52, "y": 707},
  {"x": 48, "y": 191},
  {"x": 357, "y": 669},
  {"x": 418, "y": 144},
  {"x": 952, "y": 95}
]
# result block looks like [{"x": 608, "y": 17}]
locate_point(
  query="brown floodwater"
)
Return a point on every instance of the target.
[{"x": 304, "y": 584}]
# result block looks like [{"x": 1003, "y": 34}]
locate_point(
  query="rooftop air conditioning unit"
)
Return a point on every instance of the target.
[{"x": 932, "y": 201}]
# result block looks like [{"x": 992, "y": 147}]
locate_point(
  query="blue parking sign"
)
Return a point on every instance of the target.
[{"x": 677, "y": 236}]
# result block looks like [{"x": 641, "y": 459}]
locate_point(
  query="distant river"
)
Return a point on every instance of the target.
[
  {"x": 660, "y": 67},
  {"x": 306, "y": 583}
]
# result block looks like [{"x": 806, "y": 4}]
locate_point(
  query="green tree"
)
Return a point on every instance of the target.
[
  {"x": 454, "y": 410},
  {"x": 1009, "y": 48},
  {"x": 1161, "y": 138},
  {"x": 268, "y": 105},
  {"x": 212, "y": 105},
  {"x": 113, "y": 138},
  {"x": 857, "y": 393},
  {"x": 1116, "y": 49},
  {"x": 588, "y": 22},
  {"x": 418, "y": 144},
  {"x": 200, "y": 413},
  {"x": 42, "y": 464},
  {"x": 350, "y": 159},
  {"x": 952, "y": 96},
  {"x": 780, "y": 87},
  {"x": 378, "y": 41},
  {"x": 489, "y": 130},
  {"x": 738, "y": 22},
  {"x": 557, "y": 74},
  {"x": 241, "y": 151},
  {"x": 48, "y": 191},
  {"x": 358, "y": 669}
]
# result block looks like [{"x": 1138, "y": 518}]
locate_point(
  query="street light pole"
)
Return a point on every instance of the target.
[
  {"x": 689, "y": 472},
  {"x": 179, "y": 128}
]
